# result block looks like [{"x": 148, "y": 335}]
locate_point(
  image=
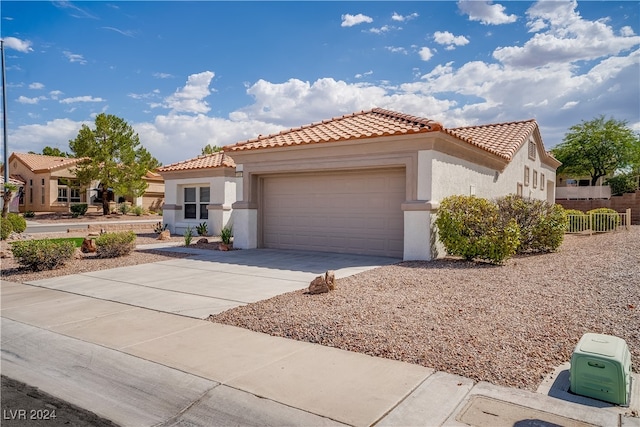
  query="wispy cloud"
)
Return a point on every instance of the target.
[
  {"x": 76, "y": 12},
  {"x": 396, "y": 49},
  {"x": 383, "y": 29},
  {"x": 25, "y": 100},
  {"x": 162, "y": 75},
  {"x": 402, "y": 18},
  {"x": 55, "y": 94},
  {"x": 351, "y": 20},
  {"x": 368, "y": 73},
  {"x": 74, "y": 57},
  {"x": 486, "y": 12},
  {"x": 17, "y": 44},
  {"x": 36, "y": 85},
  {"x": 127, "y": 33},
  {"x": 85, "y": 98}
]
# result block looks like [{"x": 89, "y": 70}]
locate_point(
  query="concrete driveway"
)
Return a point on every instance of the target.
[{"x": 209, "y": 282}]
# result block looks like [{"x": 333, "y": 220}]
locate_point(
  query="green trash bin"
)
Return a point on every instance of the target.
[{"x": 601, "y": 368}]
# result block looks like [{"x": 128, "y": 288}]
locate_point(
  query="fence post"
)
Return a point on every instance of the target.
[{"x": 628, "y": 223}]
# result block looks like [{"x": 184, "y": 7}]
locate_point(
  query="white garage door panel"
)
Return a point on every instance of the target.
[{"x": 354, "y": 212}]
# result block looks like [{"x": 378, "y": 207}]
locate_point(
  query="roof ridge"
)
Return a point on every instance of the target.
[
  {"x": 409, "y": 118},
  {"x": 494, "y": 124}
]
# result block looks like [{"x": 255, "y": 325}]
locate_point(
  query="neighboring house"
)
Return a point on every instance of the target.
[
  {"x": 199, "y": 190},
  {"x": 50, "y": 183},
  {"x": 371, "y": 182},
  {"x": 17, "y": 196},
  {"x": 572, "y": 187},
  {"x": 153, "y": 197}
]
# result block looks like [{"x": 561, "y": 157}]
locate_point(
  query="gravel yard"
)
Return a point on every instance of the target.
[{"x": 509, "y": 325}]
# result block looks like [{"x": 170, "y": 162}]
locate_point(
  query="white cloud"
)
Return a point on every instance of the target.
[
  {"x": 55, "y": 94},
  {"x": 361, "y": 75},
  {"x": 395, "y": 49},
  {"x": 17, "y": 44},
  {"x": 127, "y": 33},
  {"x": 567, "y": 38},
  {"x": 190, "y": 98},
  {"x": 351, "y": 20},
  {"x": 74, "y": 57},
  {"x": 425, "y": 53},
  {"x": 448, "y": 39},
  {"x": 569, "y": 104},
  {"x": 55, "y": 133},
  {"x": 401, "y": 18},
  {"x": 36, "y": 85},
  {"x": 85, "y": 98},
  {"x": 25, "y": 100},
  {"x": 382, "y": 30},
  {"x": 627, "y": 31},
  {"x": 486, "y": 12},
  {"x": 162, "y": 75}
]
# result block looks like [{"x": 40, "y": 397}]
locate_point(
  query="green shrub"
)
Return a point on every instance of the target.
[
  {"x": 18, "y": 223},
  {"x": 29, "y": 214},
  {"x": 78, "y": 209},
  {"x": 124, "y": 208},
  {"x": 38, "y": 255},
  {"x": 5, "y": 229},
  {"x": 202, "y": 229},
  {"x": 625, "y": 183},
  {"x": 159, "y": 227},
  {"x": 604, "y": 219},
  {"x": 577, "y": 221},
  {"x": 472, "y": 227},
  {"x": 188, "y": 236},
  {"x": 542, "y": 225},
  {"x": 113, "y": 245},
  {"x": 225, "y": 234},
  {"x": 138, "y": 210}
]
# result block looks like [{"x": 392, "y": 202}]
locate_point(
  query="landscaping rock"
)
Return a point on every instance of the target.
[
  {"x": 223, "y": 247},
  {"x": 330, "y": 278},
  {"x": 88, "y": 246},
  {"x": 164, "y": 235},
  {"x": 318, "y": 286},
  {"x": 203, "y": 241}
]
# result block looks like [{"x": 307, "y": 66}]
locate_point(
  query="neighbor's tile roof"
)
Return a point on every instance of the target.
[
  {"x": 501, "y": 139},
  {"x": 365, "y": 124},
  {"x": 13, "y": 179},
  {"x": 215, "y": 160},
  {"x": 40, "y": 162}
]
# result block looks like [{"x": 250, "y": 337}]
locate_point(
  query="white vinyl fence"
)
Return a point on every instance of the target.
[{"x": 598, "y": 222}]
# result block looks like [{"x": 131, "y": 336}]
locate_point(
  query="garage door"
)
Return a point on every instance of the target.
[{"x": 352, "y": 212}]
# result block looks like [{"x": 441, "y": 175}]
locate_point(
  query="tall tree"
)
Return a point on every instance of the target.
[
  {"x": 210, "y": 149},
  {"x": 598, "y": 148},
  {"x": 114, "y": 157},
  {"x": 54, "y": 151}
]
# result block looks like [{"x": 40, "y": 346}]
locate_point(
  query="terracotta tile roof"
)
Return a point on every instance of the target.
[
  {"x": 501, "y": 139},
  {"x": 40, "y": 162},
  {"x": 215, "y": 160},
  {"x": 365, "y": 124},
  {"x": 13, "y": 179}
]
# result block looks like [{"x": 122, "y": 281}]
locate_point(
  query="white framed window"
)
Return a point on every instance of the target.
[
  {"x": 68, "y": 191},
  {"x": 526, "y": 176},
  {"x": 542, "y": 181},
  {"x": 535, "y": 178},
  {"x": 196, "y": 200},
  {"x": 519, "y": 189}
]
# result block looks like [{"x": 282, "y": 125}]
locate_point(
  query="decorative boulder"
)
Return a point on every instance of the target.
[
  {"x": 330, "y": 278},
  {"x": 88, "y": 246},
  {"x": 203, "y": 240},
  {"x": 164, "y": 235},
  {"x": 318, "y": 286}
]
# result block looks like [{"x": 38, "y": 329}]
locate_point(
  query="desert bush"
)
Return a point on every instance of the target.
[
  {"x": 38, "y": 255},
  {"x": 124, "y": 208},
  {"x": 188, "y": 236},
  {"x": 472, "y": 227},
  {"x": 138, "y": 210},
  {"x": 202, "y": 229},
  {"x": 29, "y": 214},
  {"x": 604, "y": 219},
  {"x": 5, "y": 228},
  {"x": 577, "y": 221},
  {"x": 159, "y": 227},
  {"x": 113, "y": 245},
  {"x": 79, "y": 209},
  {"x": 225, "y": 234},
  {"x": 542, "y": 225},
  {"x": 18, "y": 223}
]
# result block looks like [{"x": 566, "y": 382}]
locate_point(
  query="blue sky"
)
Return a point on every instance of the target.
[{"x": 188, "y": 74}]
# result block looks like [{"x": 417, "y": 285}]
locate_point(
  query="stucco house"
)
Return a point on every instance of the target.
[
  {"x": 50, "y": 184},
  {"x": 199, "y": 190},
  {"x": 371, "y": 182}
]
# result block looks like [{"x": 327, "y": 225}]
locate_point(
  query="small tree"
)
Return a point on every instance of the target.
[
  {"x": 112, "y": 155},
  {"x": 598, "y": 148},
  {"x": 210, "y": 149},
  {"x": 7, "y": 194}
]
